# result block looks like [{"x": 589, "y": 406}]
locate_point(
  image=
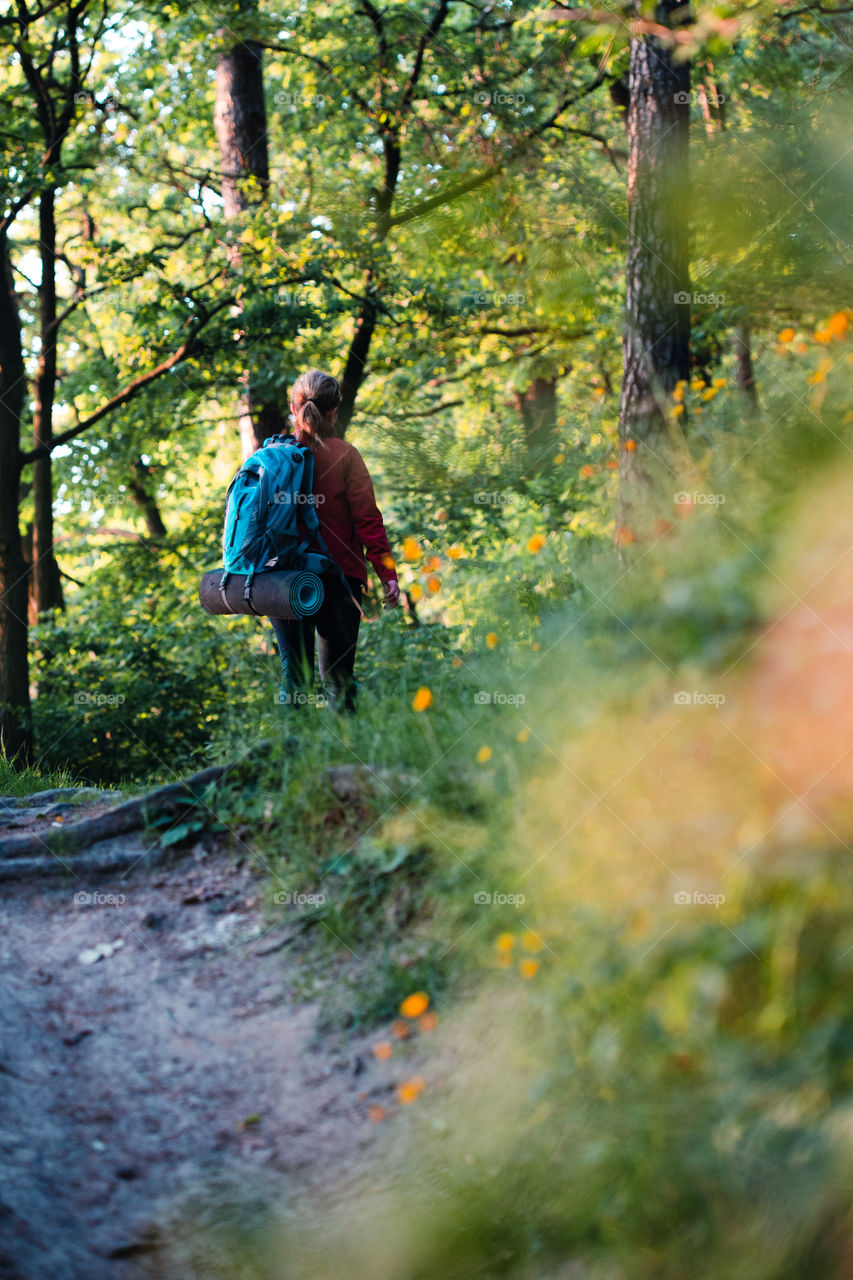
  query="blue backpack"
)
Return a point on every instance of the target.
[{"x": 270, "y": 497}]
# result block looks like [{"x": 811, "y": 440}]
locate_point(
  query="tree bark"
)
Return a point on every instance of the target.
[
  {"x": 145, "y": 501},
  {"x": 657, "y": 292},
  {"x": 743, "y": 354},
  {"x": 15, "y": 715},
  {"x": 45, "y": 582},
  {"x": 537, "y": 405},
  {"x": 241, "y": 129}
]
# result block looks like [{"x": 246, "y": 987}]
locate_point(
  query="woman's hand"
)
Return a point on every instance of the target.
[{"x": 392, "y": 593}]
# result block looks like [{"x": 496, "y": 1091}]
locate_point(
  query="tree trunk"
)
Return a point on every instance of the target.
[
  {"x": 241, "y": 129},
  {"x": 743, "y": 353},
  {"x": 537, "y": 405},
  {"x": 137, "y": 487},
  {"x": 15, "y": 719},
  {"x": 45, "y": 583},
  {"x": 657, "y": 291}
]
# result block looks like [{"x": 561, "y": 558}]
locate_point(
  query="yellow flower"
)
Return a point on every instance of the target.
[
  {"x": 422, "y": 699},
  {"x": 410, "y": 1090},
  {"x": 787, "y": 335},
  {"x": 677, "y": 409},
  {"x": 709, "y": 393},
  {"x": 492, "y": 639},
  {"x": 531, "y": 941},
  {"x": 529, "y": 968},
  {"x": 416, "y": 591},
  {"x": 678, "y": 391},
  {"x": 718, "y": 382},
  {"x": 559, "y": 457},
  {"x": 505, "y": 942},
  {"x": 536, "y": 646},
  {"x": 536, "y": 543},
  {"x": 411, "y": 550},
  {"x": 522, "y": 735},
  {"x": 455, "y": 551},
  {"x": 414, "y": 1005},
  {"x": 484, "y": 754}
]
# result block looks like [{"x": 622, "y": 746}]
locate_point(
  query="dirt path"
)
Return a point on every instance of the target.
[{"x": 182, "y": 1057}]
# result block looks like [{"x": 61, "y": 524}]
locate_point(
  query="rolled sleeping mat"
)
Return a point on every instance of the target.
[{"x": 279, "y": 593}]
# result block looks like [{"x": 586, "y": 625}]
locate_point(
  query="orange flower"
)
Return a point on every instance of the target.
[
  {"x": 427, "y": 1021},
  {"x": 399, "y": 1029},
  {"x": 531, "y": 941},
  {"x": 612, "y": 464},
  {"x": 414, "y": 1005},
  {"x": 383, "y": 1050},
  {"x": 433, "y": 583},
  {"x": 411, "y": 550},
  {"x": 389, "y": 562},
  {"x": 529, "y": 968},
  {"x": 624, "y": 536},
  {"x": 677, "y": 410},
  {"x": 631, "y": 445},
  {"x": 434, "y": 563},
  {"x": 422, "y": 699},
  {"x": 455, "y": 551},
  {"x": 536, "y": 543},
  {"x": 837, "y": 324},
  {"x": 410, "y": 1090},
  {"x": 375, "y": 1113},
  {"x": 787, "y": 335},
  {"x": 416, "y": 591},
  {"x": 456, "y": 662},
  {"x": 484, "y": 754},
  {"x": 536, "y": 646},
  {"x": 587, "y": 471},
  {"x": 492, "y": 640},
  {"x": 505, "y": 942}
]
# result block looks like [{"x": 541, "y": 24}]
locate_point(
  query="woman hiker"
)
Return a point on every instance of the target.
[{"x": 349, "y": 522}]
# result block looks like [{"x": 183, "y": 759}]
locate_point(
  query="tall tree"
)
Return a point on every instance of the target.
[
  {"x": 656, "y": 341},
  {"x": 241, "y": 128}
]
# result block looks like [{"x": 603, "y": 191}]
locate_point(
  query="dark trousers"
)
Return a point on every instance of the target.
[{"x": 336, "y": 625}]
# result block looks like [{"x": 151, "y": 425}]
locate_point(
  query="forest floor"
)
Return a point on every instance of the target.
[{"x": 158, "y": 1052}]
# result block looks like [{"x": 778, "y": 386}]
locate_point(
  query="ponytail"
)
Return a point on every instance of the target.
[{"x": 314, "y": 396}]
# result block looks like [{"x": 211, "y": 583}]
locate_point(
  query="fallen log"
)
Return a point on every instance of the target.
[{"x": 180, "y": 798}]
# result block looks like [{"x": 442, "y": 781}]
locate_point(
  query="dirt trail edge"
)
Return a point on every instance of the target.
[{"x": 152, "y": 1036}]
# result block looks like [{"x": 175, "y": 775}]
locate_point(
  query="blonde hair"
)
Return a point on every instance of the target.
[{"x": 315, "y": 394}]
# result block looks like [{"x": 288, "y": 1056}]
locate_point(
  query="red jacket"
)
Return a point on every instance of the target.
[{"x": 346, "y": 505}]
